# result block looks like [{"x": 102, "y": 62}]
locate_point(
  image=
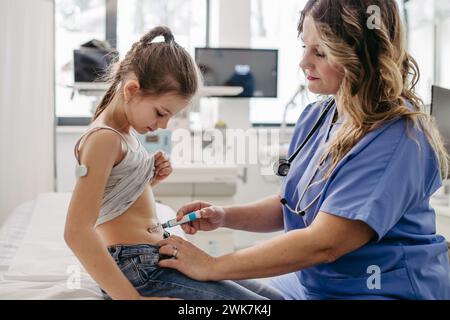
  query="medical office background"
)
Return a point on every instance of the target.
[{"x": 43, "y": 112}]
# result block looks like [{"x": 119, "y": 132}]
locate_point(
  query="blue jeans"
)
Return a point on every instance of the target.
[{"x": 139, "y": 263}]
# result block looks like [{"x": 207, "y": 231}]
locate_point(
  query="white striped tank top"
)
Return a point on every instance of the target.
[{"x": 127, "y": 180}]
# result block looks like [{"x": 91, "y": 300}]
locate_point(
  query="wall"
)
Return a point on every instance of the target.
[{"x": 26, "y": 101}]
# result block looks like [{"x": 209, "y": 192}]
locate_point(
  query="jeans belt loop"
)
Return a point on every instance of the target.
[{"x": 116, "y": 253}]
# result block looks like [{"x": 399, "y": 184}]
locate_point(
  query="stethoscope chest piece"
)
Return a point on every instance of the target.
[{"x": 281, "y": 167}]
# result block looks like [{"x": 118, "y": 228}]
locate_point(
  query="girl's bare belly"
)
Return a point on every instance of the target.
[{"x": 132, "y": 227}]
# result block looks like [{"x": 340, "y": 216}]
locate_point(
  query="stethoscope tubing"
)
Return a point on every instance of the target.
[
  {"x": 317, "y": 125},
  {"x": 312, "y": 131}
]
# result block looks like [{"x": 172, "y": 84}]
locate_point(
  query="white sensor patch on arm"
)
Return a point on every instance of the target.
[{"x": 81, "y": 171}]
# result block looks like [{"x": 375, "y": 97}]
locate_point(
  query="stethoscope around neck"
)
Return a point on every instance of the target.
[{"x": 282, "y": 167}]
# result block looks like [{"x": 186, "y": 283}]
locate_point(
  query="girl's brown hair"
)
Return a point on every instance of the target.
[
  {"x": 380, "y": 76},
  {"x": 160, "y": 67}
]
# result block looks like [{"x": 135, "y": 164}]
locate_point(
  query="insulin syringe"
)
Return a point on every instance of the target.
[{"x": 187, "y": 218}]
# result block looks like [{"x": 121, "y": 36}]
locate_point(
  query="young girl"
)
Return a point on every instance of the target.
[{"x": 112, "y": 224}]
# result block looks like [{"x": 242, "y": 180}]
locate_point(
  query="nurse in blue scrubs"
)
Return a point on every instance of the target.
[{"x": 355, "y": 199}]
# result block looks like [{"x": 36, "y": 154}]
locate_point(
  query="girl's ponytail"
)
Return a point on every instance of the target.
[
  {"x": 156, "y": 32},
  {"x": 107, "y": 98}
]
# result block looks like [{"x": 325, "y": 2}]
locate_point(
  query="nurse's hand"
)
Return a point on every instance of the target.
[
  {"x": 187, "y": 259},
  {"x": 212, "y": 217}
]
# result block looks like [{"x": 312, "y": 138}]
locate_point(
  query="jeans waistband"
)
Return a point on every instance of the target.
[{"x": 125, "y": 251}]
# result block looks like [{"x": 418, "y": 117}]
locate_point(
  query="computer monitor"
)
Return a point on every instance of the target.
[
  {"x": 90, "y": 64},
  {"x": 255, "y": 70},
  {"x": 440, "y": 110}
]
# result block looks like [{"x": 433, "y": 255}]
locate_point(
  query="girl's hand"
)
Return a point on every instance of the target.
[
  {"x": 163, "y": 167},
  {"x": 212, "y": 217},
  {"x": 187, "y": 258}
]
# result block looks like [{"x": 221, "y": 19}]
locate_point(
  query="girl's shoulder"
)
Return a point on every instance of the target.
[{"x": 99, "y": 139}]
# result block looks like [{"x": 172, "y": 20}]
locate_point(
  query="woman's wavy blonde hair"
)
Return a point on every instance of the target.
[{"x": 380, "y": 76}]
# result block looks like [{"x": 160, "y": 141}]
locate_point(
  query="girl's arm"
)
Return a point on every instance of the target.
[{"x": 100, "y": 152}]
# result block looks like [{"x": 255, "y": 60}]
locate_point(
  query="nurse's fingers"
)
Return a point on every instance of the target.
[
  {"x": 167, "y": 250},
  {"x": 190, "y": 207},
  {"x": 172, "y": 240},
  {"x": 177, "y": 239},
  {"x": 189, "y": 228},
  {"x": 169, "y": 263},
  {"x": 168, "y": 241},
  {"x": 207, "y": 212}
]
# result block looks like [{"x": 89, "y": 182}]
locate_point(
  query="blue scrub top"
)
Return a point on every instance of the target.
[{"x": 386, "y": 181}]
